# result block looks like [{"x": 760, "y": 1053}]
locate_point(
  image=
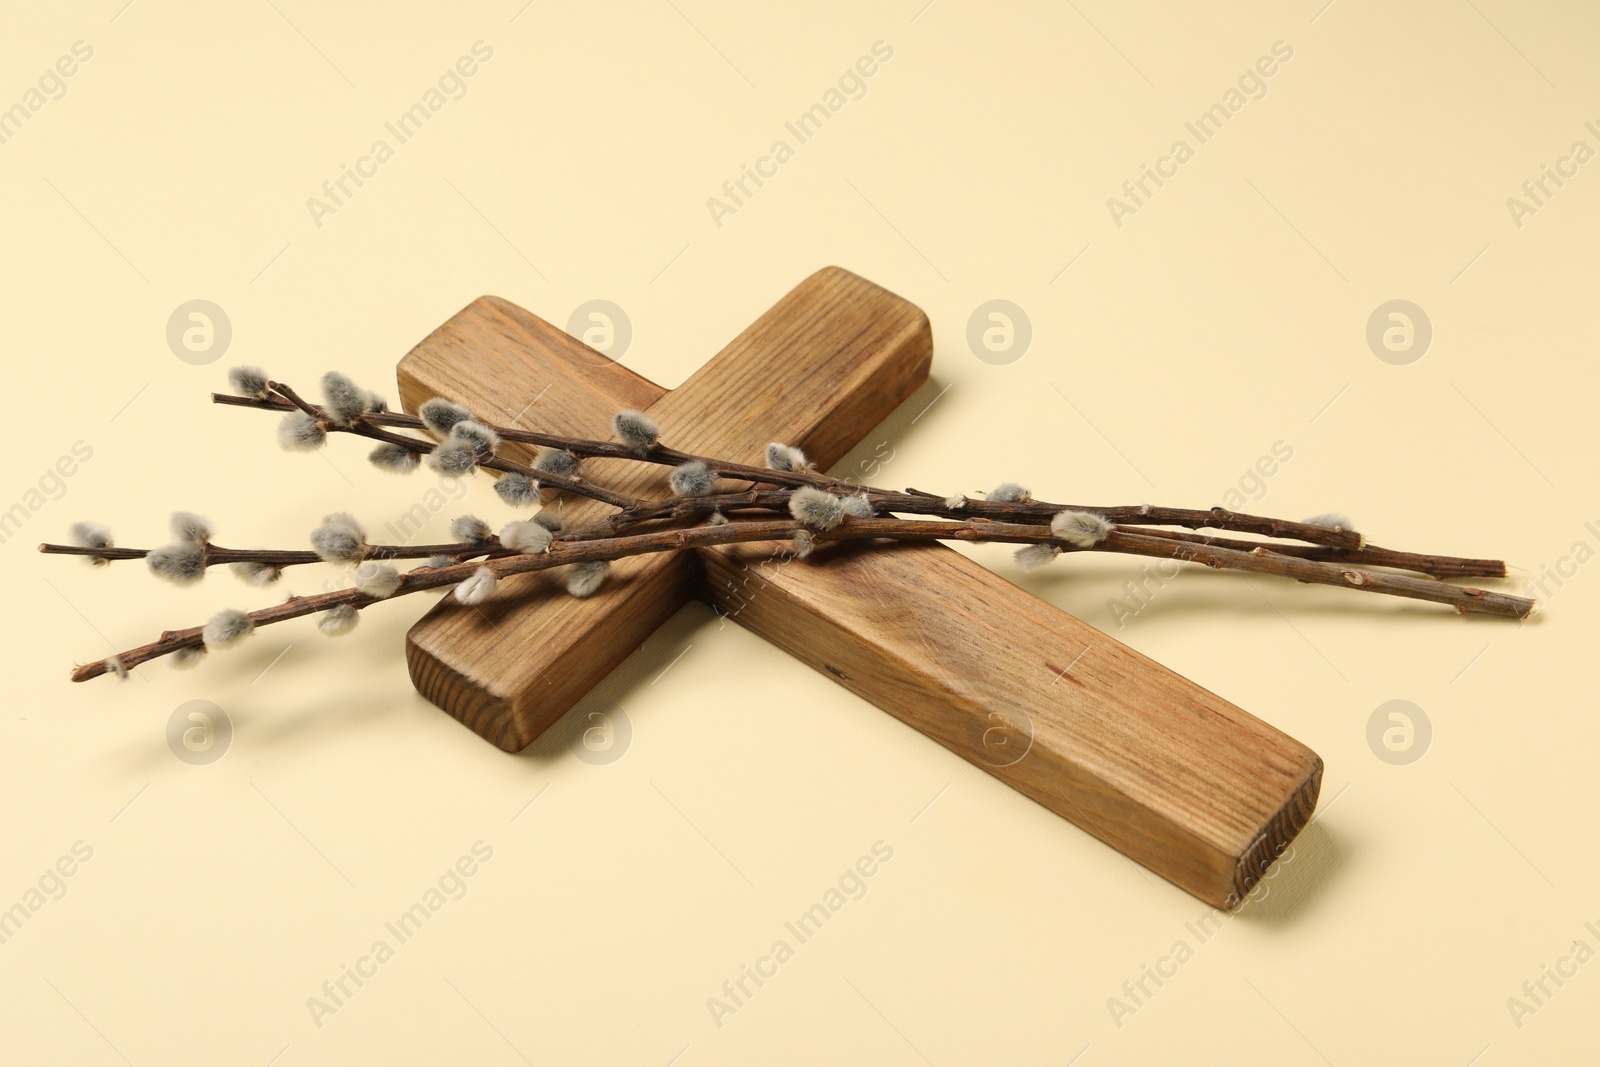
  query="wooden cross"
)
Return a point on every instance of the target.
[{"x": 1197, "y": 790}]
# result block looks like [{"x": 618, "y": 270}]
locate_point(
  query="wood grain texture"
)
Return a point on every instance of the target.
[
  {"x": 1194, "y": 788},
  {"x": 827, "y": 363},
  {"x": 518, "y": 370},
  {"x": 1173, "y": 776}
]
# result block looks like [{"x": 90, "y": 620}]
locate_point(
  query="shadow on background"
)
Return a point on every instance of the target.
[{"x": 1318, "y": 859}]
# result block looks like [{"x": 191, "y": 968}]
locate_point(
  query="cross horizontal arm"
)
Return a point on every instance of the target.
[{"x": 826, "y": 364}]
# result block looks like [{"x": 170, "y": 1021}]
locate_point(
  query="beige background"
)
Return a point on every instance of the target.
[{"x": 1226, "y": 315}]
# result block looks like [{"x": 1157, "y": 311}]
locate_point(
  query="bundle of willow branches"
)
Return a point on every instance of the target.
[{"x": 713, "y": 502}]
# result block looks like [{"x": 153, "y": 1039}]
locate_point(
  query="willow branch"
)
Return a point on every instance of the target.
[
  {"x": 909, "y": 502},
  {"x": 578, "y": 446},
  {"x": 1365, "y": 556},
  {"x": 369, "y": 426},
  {"x": 216, "y": 555},
  {"x": 1266, "y": 560},
  {"x": 776, "y": 500},
  {"x": 688, "y": 507},
  {"x": 1330, "y": 545},
  {"x": 1260, "y": 560}
]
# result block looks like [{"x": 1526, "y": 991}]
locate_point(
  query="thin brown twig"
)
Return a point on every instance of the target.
[
  {"x": 1368, "y": 555},
  {"x": 1332, "y": 545},
  {"x": 777, "y": 500},
  {"x": 369, "y": 425},
  {"x": 911, "y": 501},
  {"x": 216, "y": 555},
  {"x": 689, "y": 507},
  {"x": 1261, "y": 560}
]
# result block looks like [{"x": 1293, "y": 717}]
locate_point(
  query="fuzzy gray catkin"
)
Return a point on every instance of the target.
[
  {"x": 299, "y": 432},
  {"x": 92, "y": 535},
  {"x": 691, "y": 479},
  {"x": 338, "y": 620},
  {"x": 482, "y": 439},
  {"x": 389, "y": 456},
  {"x": 817, "y": 508},
  {"x": 859, "y": 505},
  {"x": 342, "y": 399},
  {"x": 379, "y": 580},
  {"x": 188, "y": 656},
  {"x": 583, "y": 579},
  {"x": 1080, "y": 528},
  {"x": 227, "y": 628},
  {"x": 340, "y": 539},
  {"x": 782, "y": 457},
  {"x": 557, "y": 461},
  {"x": 526, "y": 537},
  {"x": 477, "y": 587},
  {"x": 454, "y": 456},
  {"x": 189, "y": 528},
  {"x": 1031, "y": 556},
  {"x": 636, "y": 430},
  {"x": 439, "y": 415},
  {"x": 517, "y": 490},
  {"x": 252, "y": 573},
  {"x": 249, "y": 381},
  {"x": 471, "y": 529},
  {"x": 180, "y": 564}
]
